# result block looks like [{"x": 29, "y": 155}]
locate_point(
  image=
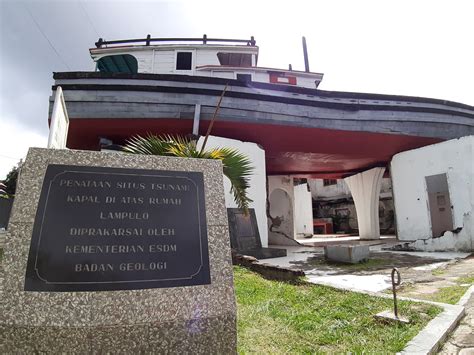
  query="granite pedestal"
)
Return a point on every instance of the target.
[{"x": 155, "y": 316}]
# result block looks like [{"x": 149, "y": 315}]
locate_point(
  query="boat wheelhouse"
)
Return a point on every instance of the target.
[{"x": 215, "y": 58}]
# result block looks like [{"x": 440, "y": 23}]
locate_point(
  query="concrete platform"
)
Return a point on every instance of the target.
[
  {"x": 351, "y": 254},
  {"x": 373, "y": 276}
]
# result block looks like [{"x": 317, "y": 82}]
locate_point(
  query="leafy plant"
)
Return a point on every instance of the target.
[
  {"x": 3, "y": 192},
  {"x": 8, "y": 186},
  {"x": 236, "y": 165}
]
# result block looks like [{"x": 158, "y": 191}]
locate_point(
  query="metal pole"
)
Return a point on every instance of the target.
[
  {"x": 394, "y": 290},
  {"x": 214, "y": 117},
  {"x": 305, "y": 54}
]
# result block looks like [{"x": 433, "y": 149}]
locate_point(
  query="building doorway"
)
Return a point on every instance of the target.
[{"x": 439, "y": 203}]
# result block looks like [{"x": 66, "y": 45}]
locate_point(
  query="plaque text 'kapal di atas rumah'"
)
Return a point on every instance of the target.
[{"x": 101, "y": 228}]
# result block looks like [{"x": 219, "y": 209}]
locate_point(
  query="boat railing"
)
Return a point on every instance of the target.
[{"x": 148, "y": 40}]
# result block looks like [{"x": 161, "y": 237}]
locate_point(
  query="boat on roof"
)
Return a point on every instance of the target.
[{"x": 172, "y": 86}]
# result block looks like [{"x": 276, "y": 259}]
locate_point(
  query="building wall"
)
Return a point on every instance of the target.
[
  {"x": 341, "y": 190},
  {"x": 281, "y": 209},
  {"x": 409, "y": 170},
  {"x": 318, "y": 190},
  {"x": 257, "y": 191},
  {"x": 344, "y": 215},
  {"x": 303, "y": 211},
  {"x": 335, "y": 201},
  {"x": 290, "y": 210}
]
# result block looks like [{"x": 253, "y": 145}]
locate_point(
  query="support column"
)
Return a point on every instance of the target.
[
  {"x": 197, "y": 116},
  {"x": 365, "y": 190}
]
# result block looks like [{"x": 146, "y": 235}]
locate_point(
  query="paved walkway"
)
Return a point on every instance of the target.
[
  {"x": 374, "y": 276},
  {"x": 446, "y": 274},
  {"x": 461, "y": 340}
]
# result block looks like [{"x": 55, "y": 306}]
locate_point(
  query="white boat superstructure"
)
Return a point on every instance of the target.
[{"x": 228, "y": 61}]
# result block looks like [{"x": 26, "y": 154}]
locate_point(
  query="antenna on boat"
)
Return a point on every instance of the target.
[
  {"x": 214, "y": 117},
  {"x": 305, "y": 54}
]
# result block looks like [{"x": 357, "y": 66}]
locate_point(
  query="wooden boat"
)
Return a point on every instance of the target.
[{"x": 172, "y": 85}]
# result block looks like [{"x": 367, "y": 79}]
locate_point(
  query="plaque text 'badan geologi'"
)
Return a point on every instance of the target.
[{"x": 103, "y": 228}]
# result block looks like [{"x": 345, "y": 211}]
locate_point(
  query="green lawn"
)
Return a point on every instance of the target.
[
  {"x": 451, "y": 294},
  {"x": 278, "y": 317}
]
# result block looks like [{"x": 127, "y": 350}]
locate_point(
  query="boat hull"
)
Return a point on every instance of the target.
[{"x": 305, "y": 132}]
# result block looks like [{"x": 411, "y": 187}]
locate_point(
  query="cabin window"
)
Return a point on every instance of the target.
[
  {"x": 235, "y": 59},
  {"x": 245, "y": 78},
  {"x": 122, "y": 63},
  {"x": 329, "y": 182},
  {"x": 184, "y": 60}
]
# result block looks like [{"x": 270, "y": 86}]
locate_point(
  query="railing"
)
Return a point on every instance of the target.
[{"x": 148, "y": 40}]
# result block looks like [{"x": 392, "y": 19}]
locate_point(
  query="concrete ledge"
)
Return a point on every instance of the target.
[
  {"x": 465, "y": 298},
  {"x": 266, "y": 270},
  {"x": 429, "y": 340},
  {"x": 436, "y": 331}
]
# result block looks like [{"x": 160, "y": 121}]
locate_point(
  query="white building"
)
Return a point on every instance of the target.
[{"x": 434, "y": 197}]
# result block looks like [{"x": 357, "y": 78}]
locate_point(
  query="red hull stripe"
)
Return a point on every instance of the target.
[{"x": 306, "y": 152}]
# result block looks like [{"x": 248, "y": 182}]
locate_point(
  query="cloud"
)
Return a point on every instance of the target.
[
  {"x": 12, "y": 149},
  {"x": 403, "y": 47}
]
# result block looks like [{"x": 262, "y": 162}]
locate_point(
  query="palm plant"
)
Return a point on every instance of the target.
[{"x": 236, "y": 166}]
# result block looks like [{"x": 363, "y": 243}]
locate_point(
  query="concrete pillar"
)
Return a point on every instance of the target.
[
  {"x": 365, "y": 190},
  {"x": 257, "y": 190}
]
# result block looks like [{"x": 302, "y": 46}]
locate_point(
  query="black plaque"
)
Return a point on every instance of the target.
[
  {"x": 245, "y": 238},
  {"x": 99, "y": 229}
]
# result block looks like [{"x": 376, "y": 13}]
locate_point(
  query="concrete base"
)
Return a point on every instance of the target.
[
  {"x": 264, "y": 253},
  {"x": 389, "y": 316},
  {"x": 352, "y": 254},
  {"x": 199, "y": 319}
]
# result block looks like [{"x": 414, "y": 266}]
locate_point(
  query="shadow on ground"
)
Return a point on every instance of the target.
[{"x": 377, "y": 261}]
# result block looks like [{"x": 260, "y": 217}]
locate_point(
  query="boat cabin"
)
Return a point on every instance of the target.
[{"x": 222, "y": 58}]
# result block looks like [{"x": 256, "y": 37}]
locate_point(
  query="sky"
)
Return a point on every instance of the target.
[{"x": 415, "y": 47}]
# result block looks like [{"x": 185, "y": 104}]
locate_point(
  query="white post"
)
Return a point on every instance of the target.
[
  {"x": 365, "y": 190},
  {"x": 197, "y": 114},
  {"x": 59, "y": 125}
]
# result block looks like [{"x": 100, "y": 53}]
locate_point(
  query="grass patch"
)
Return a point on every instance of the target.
[
  {"x": 365, "y": 265},
  {"x": 368, "y": 264},
  {"x": 279, "y": 317},
  {"x": 452, "y": 294},
  {"x": 449, "y": 294},
  {"x": 469, "y": 279},
  {"x": 437, "y": 272}
]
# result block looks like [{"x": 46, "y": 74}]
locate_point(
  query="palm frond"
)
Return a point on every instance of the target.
[
  {"x": 237, "y": 167},
  {"x": 148, "y": 145}
]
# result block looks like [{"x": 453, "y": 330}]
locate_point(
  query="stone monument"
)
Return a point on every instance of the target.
[
  {"x": 245, "y": 238},
  {"x": 110, "y": 252}
]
